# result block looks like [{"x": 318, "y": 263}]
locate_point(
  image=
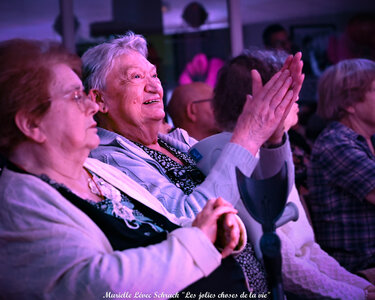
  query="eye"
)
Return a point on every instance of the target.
[
  {"x": 78, "y": 96},
  {"x": 155, "y": 76},
  {"x": 136, "y": 76}
]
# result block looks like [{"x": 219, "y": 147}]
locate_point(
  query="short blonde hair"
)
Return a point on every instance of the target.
[{"x": 342, "y": 85}]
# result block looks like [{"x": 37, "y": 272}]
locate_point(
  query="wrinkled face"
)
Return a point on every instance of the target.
[
  {"x": 68, "y": 125},
  {"x": 133, "y": 93}
]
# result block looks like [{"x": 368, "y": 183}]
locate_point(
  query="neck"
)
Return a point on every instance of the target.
[
  {"x": 37, "y": 159},
  {"x": 359, "y": 127},
  {"x": 145, "y": 134}
]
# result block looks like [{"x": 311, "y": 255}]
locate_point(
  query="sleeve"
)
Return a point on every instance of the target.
[
  {"x": 302, "y": 276},
  {"x": 221, "y": 181},
  {"x": 348, "y": 166},
  {"x": 51, "y": 250},
  {"x": 272, "y": 159},
  {"x": 329, "y": 266}
]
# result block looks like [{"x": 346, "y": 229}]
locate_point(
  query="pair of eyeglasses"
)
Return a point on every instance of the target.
[{"x": 80, "y": 98}]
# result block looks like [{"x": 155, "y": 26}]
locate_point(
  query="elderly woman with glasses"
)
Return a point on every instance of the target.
[
  {"x": 72, "y": 227},
  {"x": 128, "y": 91}
]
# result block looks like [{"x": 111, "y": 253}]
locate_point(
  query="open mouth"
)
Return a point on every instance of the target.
[{"x": 151, "y": 101}]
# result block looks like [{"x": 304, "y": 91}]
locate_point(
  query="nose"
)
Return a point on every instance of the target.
[
  {"x": 91, "y": 108},
  {"x": 152, "y": 85}
]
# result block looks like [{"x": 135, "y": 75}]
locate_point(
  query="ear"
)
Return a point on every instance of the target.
[
  {"x": 29, "y": 126},
  {"x": 350, "y": 110},
  {"x": 97, "y": 97},
  {"x": 191, "y": 112}
]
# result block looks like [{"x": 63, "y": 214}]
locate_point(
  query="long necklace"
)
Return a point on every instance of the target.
[
  {"x": 101, "y": 188},
  {"x": 94, "y": 188}
]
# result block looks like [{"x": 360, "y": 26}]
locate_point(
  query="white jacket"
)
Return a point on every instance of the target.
[{"x": 49, "y": 249}]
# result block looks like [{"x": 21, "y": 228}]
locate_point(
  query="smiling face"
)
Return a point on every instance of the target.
[
  {"x": 133, "y": 95},
  {"x": 68, "y": 126}
]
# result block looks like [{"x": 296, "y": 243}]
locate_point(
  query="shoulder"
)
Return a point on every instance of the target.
[
  {"x": 15, "y": 184},
  {"x": 334, "y": 137},
  {"x": 25, "y": 198},
  {"x": 178, "y": 135}
]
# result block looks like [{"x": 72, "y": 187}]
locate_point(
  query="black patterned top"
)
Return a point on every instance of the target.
[{"x": 186, "y": 177}]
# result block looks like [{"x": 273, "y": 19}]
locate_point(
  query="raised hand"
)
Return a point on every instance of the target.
[
  {"x": 264, "y": 110},
  {"x": 294, "y": 64}
]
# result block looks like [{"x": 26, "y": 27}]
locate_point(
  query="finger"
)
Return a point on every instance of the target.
[
  {"x": 272, "y": 87},
  {"x": 233, "y": 229},
  {"x": 287, "y": 62},
  {"x": 209, "y": 205},
  {"x": 220, "y": 201},
  {"x": 285, "y": 105},
  {"x": 297, "y": 86},
  {"x": 287, "y": 111},
  {"x": 221, "y": 210},
  {"x": 204, "y": 213},
  {"x": 279, "y": 92},
  {"x": 256, "y": 82},
  {"x": 227, "y": 251},
  {"x": 296, "y": 63},
  {"x": 248, "y": 106}
]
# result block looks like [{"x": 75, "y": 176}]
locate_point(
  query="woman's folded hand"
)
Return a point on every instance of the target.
[{"x": 218, "y": 222}]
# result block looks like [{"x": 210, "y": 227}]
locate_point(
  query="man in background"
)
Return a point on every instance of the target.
[
  {"x": 276, "y": 37},
  {"x": 190, "y": 108}
]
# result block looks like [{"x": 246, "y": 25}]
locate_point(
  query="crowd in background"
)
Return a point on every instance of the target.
[{"x": 99, "y": 196}]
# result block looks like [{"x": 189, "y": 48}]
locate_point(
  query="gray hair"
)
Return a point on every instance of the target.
[
  {"x": 98, "y": 61},
  {"x": 343, "y": 85}
]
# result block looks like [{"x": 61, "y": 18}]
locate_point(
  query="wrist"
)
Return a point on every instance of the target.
[
  {"x": 250, "y": 145},
  {"x": 275, "y": 143}
]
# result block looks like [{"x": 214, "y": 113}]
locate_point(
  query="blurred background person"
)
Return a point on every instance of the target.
[
  {"x": 342, "y": 172},
  {"x": 190, "y": 108},
  {"x": 308, "y": 271},
  {"x": 276, "y": 37}
]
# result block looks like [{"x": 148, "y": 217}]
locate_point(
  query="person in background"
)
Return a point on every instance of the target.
[
  {"x": 126, "y": 87},
  {"x": 190, "y": 109},
  {"x": 72, "y": 227},
  {"x": 342, "y": 173},
  {"x": 276, "y": 37},
  {"x": 308, "y": 271}
]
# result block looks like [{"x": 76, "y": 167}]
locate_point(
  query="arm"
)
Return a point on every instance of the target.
[
  {"x": 219, "y": 183},
  {"x": 304, "y": 278},
  {"x": 328, "y": 265},
  {"x": 77, "y": 261}
]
